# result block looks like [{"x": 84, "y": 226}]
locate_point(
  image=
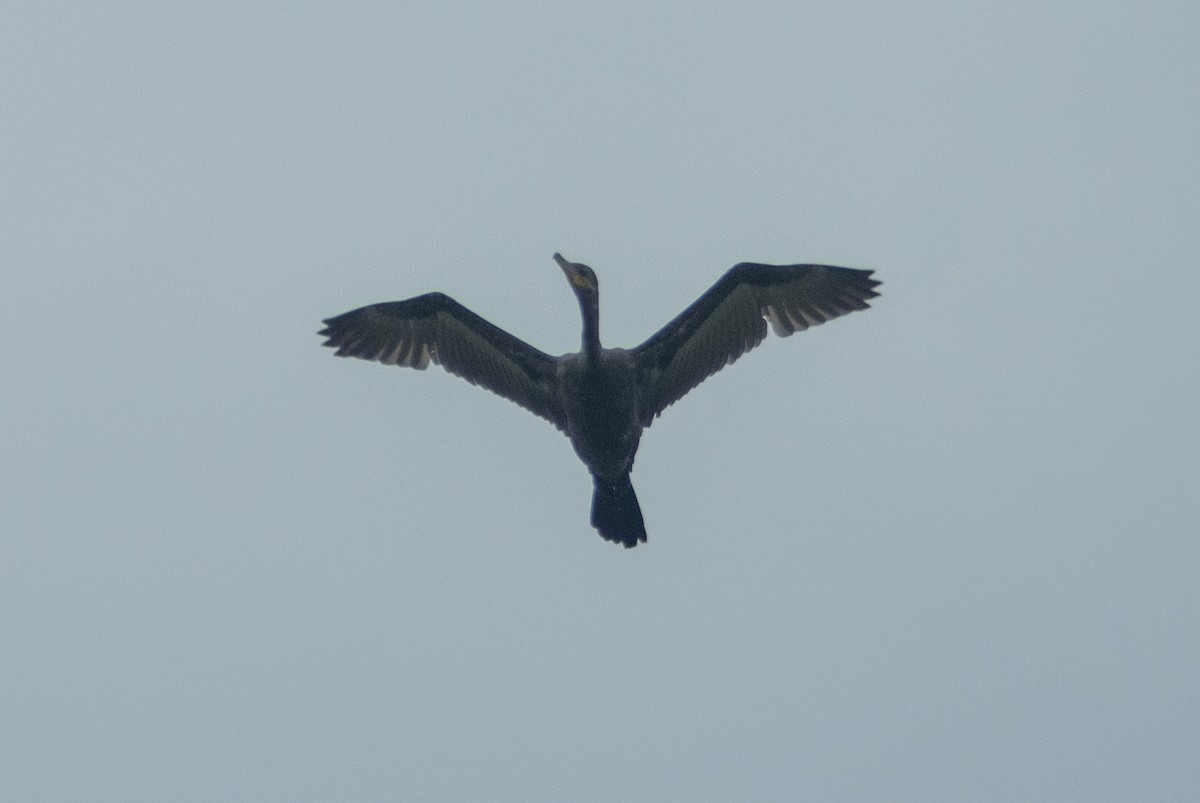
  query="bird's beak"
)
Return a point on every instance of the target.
[{"x": 572, "y": 272}]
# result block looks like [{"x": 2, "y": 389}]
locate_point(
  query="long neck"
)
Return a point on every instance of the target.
[{"x": 589, "y": 307}]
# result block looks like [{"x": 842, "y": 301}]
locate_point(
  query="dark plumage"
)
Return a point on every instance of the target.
[{"x": 603, "y": 398}]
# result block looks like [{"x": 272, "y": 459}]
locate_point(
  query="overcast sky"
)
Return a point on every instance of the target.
[{"x": 945, "y": 549}]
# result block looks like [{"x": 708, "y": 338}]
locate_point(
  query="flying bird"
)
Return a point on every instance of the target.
[{"x": 602, "y": 398}]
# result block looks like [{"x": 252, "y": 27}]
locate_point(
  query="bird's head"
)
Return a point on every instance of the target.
[{"x": 581, "y": 277}]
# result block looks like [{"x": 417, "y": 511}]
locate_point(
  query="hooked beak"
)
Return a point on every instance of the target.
[{"x": 571, "y": 271}]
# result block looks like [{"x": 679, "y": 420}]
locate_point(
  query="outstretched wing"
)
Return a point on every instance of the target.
[
  {"x": 435, "y": 327},
  {"x": 731, "y": 318}
]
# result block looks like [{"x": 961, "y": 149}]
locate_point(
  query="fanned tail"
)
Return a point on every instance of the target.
[{"x": 616, "y": 513}]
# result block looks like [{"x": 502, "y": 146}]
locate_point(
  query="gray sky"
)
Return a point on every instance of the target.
[{"x": 942, "y": 550}]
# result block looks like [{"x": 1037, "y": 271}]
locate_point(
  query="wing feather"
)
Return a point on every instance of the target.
[
  {"x": 731, "y": 319},
  {"x": 436, "y": 328}
]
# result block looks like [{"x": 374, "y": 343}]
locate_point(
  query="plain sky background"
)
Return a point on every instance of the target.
[{"x": 945, "y": 549}]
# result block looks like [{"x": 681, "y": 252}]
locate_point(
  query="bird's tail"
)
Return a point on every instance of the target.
[{"x": 616, "y": 513}]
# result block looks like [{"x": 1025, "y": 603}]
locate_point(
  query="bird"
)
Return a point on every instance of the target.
[{"x": 603, "y": 398}]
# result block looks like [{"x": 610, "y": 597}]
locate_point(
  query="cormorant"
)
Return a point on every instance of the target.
[{"x": 603, "y": 398}]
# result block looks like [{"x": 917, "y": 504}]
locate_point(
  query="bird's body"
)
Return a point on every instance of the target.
[
  {"x": 601, "y": 398},
  {"x": 600, "y": 403}
]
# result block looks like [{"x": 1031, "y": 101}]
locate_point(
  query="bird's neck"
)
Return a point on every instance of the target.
[{"x": 590, "y": 307}]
